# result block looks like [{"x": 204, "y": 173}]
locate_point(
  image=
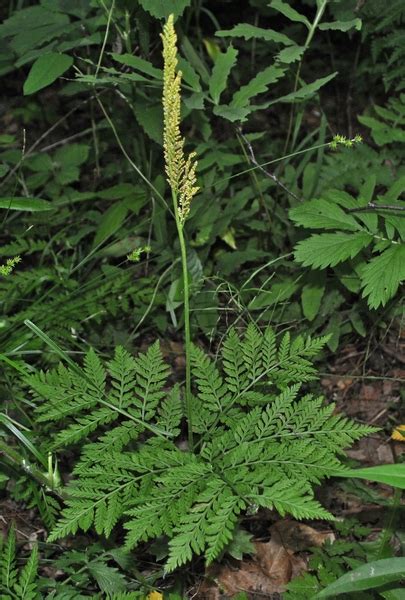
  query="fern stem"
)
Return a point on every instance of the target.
[{"x": 187, "y": 332}]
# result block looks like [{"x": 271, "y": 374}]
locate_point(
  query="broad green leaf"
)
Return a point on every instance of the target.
[
  {"x": 329, "y": 249},
  {"x": 29, "y": 204},
  {"x": 323, "y": 214},
  {"x": 135, "y": 62},
  {"x": 110, "y": 222},
  {"x": 231, "y": 113},
  {"x": 251, "y": 31},
  {"x": 382, "y": 275},
  {"x": 312, "y": 294},
  {"x": 341, "y": 25},
  {"x": 369, "y": 576},
  {"x": 220, "y": 72},
  {"x": 45, "y": 70},
  {"x": 161, "y": 9},
  {"x": 289, "y": 12},
  {"x": 305, "y": 91},
  {"x": 257, "y": 85},
  {"x": 390, "y": 474}
]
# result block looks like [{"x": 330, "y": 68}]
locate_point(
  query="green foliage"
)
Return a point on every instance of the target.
[
  {"x": 353, "y": 232},
  {"x": 388, "y": 122},
  {"x": 18, "y": 582},
  {"x": 45, "y": 70},
  {"x": 249, "y": 414},
  {"x": 369, "y": 576},
  {"x": 83, "y": 208}
]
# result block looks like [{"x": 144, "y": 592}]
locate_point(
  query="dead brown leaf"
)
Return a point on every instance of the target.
[{"x": 268, "y": 572}]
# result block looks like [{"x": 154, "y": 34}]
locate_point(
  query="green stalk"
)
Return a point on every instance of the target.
[
  {"x": 311, "y": 32},
  {"x": 187, "y": 331}
]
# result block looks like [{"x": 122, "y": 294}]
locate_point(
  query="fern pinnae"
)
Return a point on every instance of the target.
[
  {"x": 8, "y": 560},
  {"x": 171, "y": 412},
  {"x": 26, "y": 587},
  {"x": 212, "y": 390}
]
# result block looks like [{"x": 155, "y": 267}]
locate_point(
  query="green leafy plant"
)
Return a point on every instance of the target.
[
  {"x": 260, "y": 441},
  {"x": 355, "y": 225}
]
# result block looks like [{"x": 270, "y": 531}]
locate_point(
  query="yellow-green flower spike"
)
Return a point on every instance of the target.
[{"x": 180, "y": 170}]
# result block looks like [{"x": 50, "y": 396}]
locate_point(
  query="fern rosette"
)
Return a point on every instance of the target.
[{"x": 260, "y": 441}]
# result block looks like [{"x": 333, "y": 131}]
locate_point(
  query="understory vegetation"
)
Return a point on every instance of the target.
[{"x": 202, "y": 337}]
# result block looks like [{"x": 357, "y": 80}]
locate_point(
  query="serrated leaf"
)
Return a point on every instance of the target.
[
  {"x": 26, "y": 587},
  {"x": 109, "y": 579},
  {"x": 161, "y": 9},
  {"x": 382, "y": 276},
  {"x": 251, "y": 31},
  {"x": 45, "y": 70},
  {"x": 329, "y": 249},
  {"x": 290, "y": 54},
  {"x": 289, "y": 12},
  {"x": 220, "y": 72},
  {"x": 323, "y": 214}
]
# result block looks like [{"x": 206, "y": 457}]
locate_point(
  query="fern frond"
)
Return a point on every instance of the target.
[
  {"x": 8, "y": 561},
  {"x": 251, "y": 352},
  {"x": 171, "y": 412},
  {"x": 83, "y": 426},
  {"x": 14, "y": 584},
  {"x": 223, "y": 521},
  {"x": 26, "y": 588},
  {"x": 190, "y": 534},
  {"x": 290, "y": 498},
  {"x": 233, "y": 363},
  {"x": 262, "y": 442}
]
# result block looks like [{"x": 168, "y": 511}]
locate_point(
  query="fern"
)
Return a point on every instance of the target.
[
  {"x": 20, "y": 584},
  {"x": 262, "y": 443}
]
